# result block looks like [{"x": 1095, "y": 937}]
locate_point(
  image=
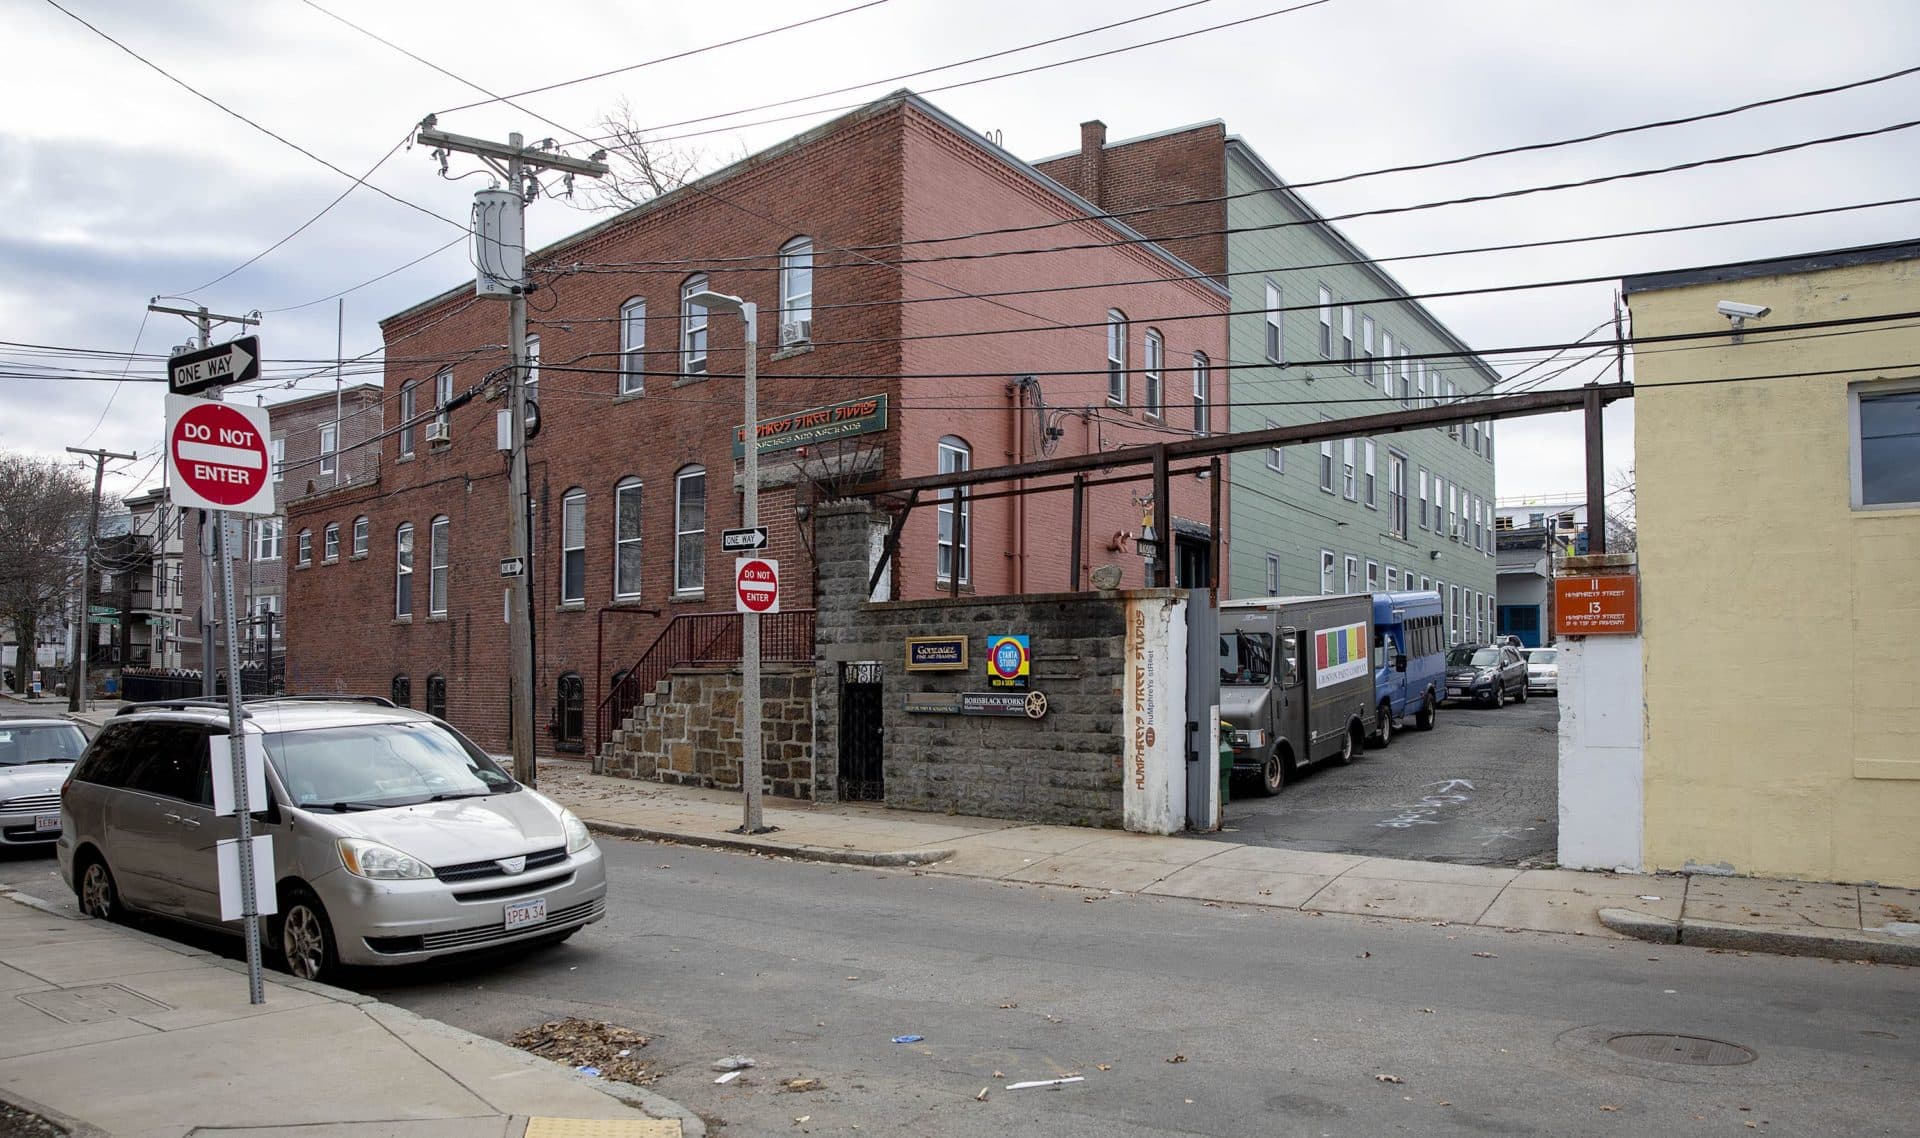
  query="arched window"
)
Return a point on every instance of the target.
[
  {"x": 437, "y": 696},
  {"x": 796, "y": 291},
  {"x": 1116, "y": 356},
  {"x": 573, "y": 546},
  {"x": 403, "y": 690},
  {"x": 633, "y": 346},
  {"x": 690, "y": 531},
  {"x": 693, "y": 327},
  {"x": 403, "y": 571},
  {"x": 1154, "y": 369},
  {"x": 437, "y": 567},
  {"x": 955, "y": 515},
  {"x": 626, "y": 538},
  {"x": 570, "y": 718}
]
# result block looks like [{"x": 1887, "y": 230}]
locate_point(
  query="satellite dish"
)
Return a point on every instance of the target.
[{"x": 1106, "y": 578}]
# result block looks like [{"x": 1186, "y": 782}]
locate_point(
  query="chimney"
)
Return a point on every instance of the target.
[{"x": 1093, "y": 162}]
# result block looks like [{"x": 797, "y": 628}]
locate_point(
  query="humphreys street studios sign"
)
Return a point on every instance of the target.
[{"x": 818, "y": 425}]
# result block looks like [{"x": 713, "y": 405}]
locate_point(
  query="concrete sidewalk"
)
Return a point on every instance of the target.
[
  {"x": 1844, "y": 921},
  {"x": 108, "y": 1030}
]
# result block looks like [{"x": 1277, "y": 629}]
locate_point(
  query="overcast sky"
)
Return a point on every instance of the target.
[{"x": 118, "y": 186}]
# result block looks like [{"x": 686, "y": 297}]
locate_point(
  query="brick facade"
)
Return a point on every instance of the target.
[{"x": 896, "y": 171}]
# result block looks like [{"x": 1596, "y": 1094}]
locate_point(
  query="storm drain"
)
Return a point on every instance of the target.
[{"x": 1687, "y": 1050}]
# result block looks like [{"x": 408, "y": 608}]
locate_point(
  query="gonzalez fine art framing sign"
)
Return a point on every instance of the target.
[{"x": 936, "y": 653}]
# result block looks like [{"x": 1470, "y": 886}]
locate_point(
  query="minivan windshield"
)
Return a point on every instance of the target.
[
  {"x": 48, "y": 743},
  {"x": 371, "y": 766},
  {"x": 1246, "y": 657},
  {"x": 1468, "y": 657}
]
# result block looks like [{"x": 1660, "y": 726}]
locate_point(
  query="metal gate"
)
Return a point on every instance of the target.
[{"x": 862, "y": 778}]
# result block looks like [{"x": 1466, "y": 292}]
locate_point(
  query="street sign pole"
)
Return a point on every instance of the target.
[{"x": 249, "y": 904}]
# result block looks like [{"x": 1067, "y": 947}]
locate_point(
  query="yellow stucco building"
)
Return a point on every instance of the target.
[{"x": 1778, "y": 504}]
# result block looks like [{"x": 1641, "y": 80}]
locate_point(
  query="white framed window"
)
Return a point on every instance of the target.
[
  {"x": 437, "y": 566},
  {"x": 796, "y": 291},
  {"x": 1453, "y": 612},
  {"x": 633, "y": 346},
  {"x": 443, "y": 395},
  {"x": 1475, "y": 427},
  {"x": 627, "y": 563},
  {"x": 303, "y": 548},
  {"x": 955, "y": 516},
  {"x": 1883, "y": 422},
  {"x": 1273, "y": 574},
  {"x": 1349, "y": 480},
  {"x": 1423, "y": 384},
  {"x": 1406, "y": 380},
  {"x": 403, "y": 570},
  {"x": 1489, "y": 440},
  {"x": 330, "y": 542},
  {"x": 573, "y": 546},
  {"x": 1116, "y": 357},
  {"x": 1397, "y": 493},
  {"x": 1366, "y": 349},
  {"x": 1326, "y": 323},
  {"x": 533, "y": 367},
  {"x": 693, "y": 327},
  {"x": 329, "y": 448},
  {"x": 269, "y": 539},
  {"x": 1346, "y": 335},
  {"x": 1273, "y": 325},
  {"x": 409, "y": 398},
  {"x": 360, "y": 537},
  {"x": 690, "y": 531},
  {"x": 1453, "y": 513},
  {"x": 1326, "y": 572},
  {"x": 267, "y": 615},
  {"x": 1326, "y": 465},
  {"x": 1353, "y": 574},
  {"x": 1276, "y": 456},
  {"x": 1423, "y": 498},
  {"x": 279, "y": 457},
  {"x": 1386, "y": 362},
  {"x": 1393, "y": 579},
  {"x": 1373, "y": 576},
  {"x": 1202, "y": 394},
  {"x": 1154, "y": 371},
  {"x": 1368, "y": 482}
]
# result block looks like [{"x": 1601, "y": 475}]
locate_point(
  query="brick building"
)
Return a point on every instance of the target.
[
  {"x": 312, "y": 451},
  {"x": 635, "y": 467}
]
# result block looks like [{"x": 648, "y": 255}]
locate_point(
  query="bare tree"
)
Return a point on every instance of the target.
[
  {"x": 43, "y": 511},
  {"x": 1623, "y": 528},
  {"x": 641, "y": 168}
]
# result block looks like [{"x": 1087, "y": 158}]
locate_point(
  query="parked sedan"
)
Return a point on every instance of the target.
[
  {"x": 395, "y": 839},
  {"x": 1486, "y": 673},
  {"x": 1543, "y": 669},
  {"x": 35, "y": 756}
]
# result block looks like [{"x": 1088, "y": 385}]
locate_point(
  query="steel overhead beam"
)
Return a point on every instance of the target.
[
  {"x": 1392, "y": 422},
  {"x": 550, "y": 159}
]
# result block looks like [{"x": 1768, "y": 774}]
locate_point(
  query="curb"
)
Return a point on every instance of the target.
[
  {"x": 742, "y": 844},
  {"x": 1830, "y": 944}
]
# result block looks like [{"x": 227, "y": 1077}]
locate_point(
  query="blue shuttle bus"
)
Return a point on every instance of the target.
[{"x": 1409, "y": 660}]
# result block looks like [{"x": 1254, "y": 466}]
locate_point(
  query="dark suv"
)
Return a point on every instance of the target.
[{"x": 1486, "y": 673}]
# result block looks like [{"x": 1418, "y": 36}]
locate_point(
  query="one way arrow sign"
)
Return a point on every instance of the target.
[{"x": 235, "y": 361}]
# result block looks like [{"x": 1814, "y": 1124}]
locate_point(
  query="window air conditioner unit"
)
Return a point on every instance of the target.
[
  {"x": 440, "y": 431},
  {"x": 1458, "y": 531},
  {"x": 796, "y": 332},
  {"x": 1453, "y": 430}
]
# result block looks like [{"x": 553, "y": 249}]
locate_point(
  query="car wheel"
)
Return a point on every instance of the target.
[
  {"x": 1350, "y": 745},
  {"x": 1427, "y": 713},
  {"x": 1499, "y": 695},
  {"x": 1383, "y": 726},
  {"x": 1520, "y": 696},
  {"x": 99, "y": 896},
  {"x": 304, "y": 938},
  {"x": 1273, "y": 776}
]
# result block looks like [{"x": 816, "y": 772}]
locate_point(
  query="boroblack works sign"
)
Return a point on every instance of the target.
[
  {"x": 936, "y": 653},
  {"x": 818, "y": 425},
  {"x": 1006, "y": 705}
]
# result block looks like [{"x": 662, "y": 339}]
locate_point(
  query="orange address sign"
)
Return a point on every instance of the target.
[{"x": 1596, "y": 606}]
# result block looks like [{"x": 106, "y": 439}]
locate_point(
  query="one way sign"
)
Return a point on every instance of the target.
[
  {"x": 743, "y": 540},
  {"x": 235, "y": 361}
]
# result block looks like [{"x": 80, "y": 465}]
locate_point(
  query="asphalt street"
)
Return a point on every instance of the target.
[
  {"x": 1479, "y": 789},
  {"x": 1180, "y": 1017}
]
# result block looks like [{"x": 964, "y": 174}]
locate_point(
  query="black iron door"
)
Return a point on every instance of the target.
[{"x": 861, "y": 732}]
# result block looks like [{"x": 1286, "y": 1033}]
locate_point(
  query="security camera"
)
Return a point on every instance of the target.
[{"x": 1733, "y": 309}]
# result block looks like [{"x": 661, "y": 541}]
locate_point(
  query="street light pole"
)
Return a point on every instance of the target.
[{"x": 751, "y": 759}]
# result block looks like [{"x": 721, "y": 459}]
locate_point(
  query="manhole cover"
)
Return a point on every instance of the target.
[{"x": 1689, "y": 1050}]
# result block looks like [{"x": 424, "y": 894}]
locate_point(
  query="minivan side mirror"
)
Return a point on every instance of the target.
[{"x": 1400, "y": 662}]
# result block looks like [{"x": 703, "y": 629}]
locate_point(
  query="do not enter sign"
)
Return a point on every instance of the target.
[
  {"x": 756, "y": 584},
  {"x": 217, "y": 455}
]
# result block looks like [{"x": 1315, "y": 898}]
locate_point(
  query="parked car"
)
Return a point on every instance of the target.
[
  {"x": 1486, "y": 673},
  {"x": 1543, "y": 669},
  {"x": 395, "y": 838},
  {"x": 1295, "y": 683},
  {"x": 35, "y": 756}
]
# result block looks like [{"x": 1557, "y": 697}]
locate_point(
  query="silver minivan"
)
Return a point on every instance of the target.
[{"x": 395, "y": 838}]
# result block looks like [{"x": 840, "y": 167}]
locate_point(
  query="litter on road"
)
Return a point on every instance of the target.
[
  {"x": 1047, "y": 1082},
  {"x": 733, "y": 1063},
  {"x": 908, "y": 1038},
  {"x": 728, "y": 1077}
]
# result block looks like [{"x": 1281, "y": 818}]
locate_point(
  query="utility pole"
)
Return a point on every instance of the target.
[
  {"x": 76, "y": 685},
  {"x": 503, "y": 272},
  {"x": 203, "y": 323}
]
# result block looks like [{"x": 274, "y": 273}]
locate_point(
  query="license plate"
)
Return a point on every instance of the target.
[
  {"x": 45, "y": 822},
  {"x": 1456, "y": 691},
  {"x": 527, "y": 913}
]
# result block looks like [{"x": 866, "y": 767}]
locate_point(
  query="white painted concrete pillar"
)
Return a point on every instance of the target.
[
  {"x": 1602, "y": 764},
  {"x": 1154, "y": 698}
]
